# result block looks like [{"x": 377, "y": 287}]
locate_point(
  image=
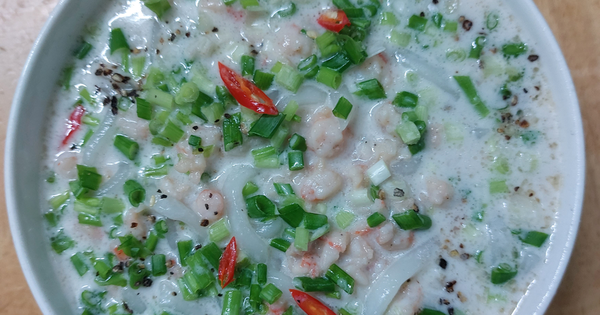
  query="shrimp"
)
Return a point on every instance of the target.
[
  {"x": 438, "y": 191},
  {"x": 66, "y": 165},
  {"x": 387, "y": 117},
  {"x": 285, "y": 42},
  {"x": 392, "y": 239},
  {"x": 325, "y": 135},
  {"x": 135, "y": 223},
  {"x": 322, "y": 183},
  {"x": 133, "y": 127},
  {"x": 357, "y": 259},
  {"x": 356, "y": 175},
  {"x": 210, "y": 205},
  {"x": 173, "y": 187},
  {"x": 408, "y": 300},
  {"x": 189, "y": 163},
  {"x": 372, "y": 151},
  {"x": 320, "y": 255}
]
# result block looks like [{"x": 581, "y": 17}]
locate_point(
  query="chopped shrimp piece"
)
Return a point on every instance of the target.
[
  {"x": 134, "y": 128},
  {"x": 372, "y": 151},
  {"x": 172, "y": 187},
  {"x": 324, "y": 135},
  {"x": 320, "y": 184},
  {"x": 357, "y": 259},
  {"x": 66, "y": 165},
  {"x": 387, "y": 117},
  {"x": 356, "y": 175},
  {"x": 210, "y": 205},
  {"x": 189, "y": 163},
  {"x": 438, "y": 191},
  {"x": 321, "y": 254},
  {"x": 408, "y": 300},
  {"x": 135, "y": 223},
  {"x": 393, "y": 239}
]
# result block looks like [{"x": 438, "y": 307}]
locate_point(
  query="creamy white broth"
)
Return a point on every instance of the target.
[{"x": 473, "y": 230}]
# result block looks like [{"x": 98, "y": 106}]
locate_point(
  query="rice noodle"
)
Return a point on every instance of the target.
[
  {"x": 382, "y": 291},
  {"x": 176, "y": 210},
  {"x": 114, "y": 185},
  {"x": 429, "y": 71},
  {"x": 99, "y": 139},
  {"x": 231, "y": 184}
]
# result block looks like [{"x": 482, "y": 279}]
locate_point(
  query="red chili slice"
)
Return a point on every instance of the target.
[
  {"x": 246, "y": 93},
  {"x": 73, "y": 123},
  {"x": 309, "y": 304},
  {"x": 333, "y": 20},
  {"x": 227, "y": 264}
]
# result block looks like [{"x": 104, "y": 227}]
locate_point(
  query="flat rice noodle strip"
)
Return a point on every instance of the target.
[
  {"x": 281, "y": 281},
  {"x": 176, "y": 210},
  {"x": 383, "y": 290},
  {"x": 231, "y": 183},
  {"x": 435, "y": 74},
  {"x": 100, "y": 138},
  {"x": 114, "y": 186}
]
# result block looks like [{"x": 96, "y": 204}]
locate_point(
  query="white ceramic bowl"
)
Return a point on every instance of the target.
[{"x": 34, "y": 95}]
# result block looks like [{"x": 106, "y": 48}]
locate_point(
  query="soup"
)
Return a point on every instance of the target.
[{"x": 345, "y": 157}]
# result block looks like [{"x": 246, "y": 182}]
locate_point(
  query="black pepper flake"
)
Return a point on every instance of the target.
[
  {"x": 422, "y": 14},
  {"x": 436, "y": 1},
  {"x": 187, "y": 34},
  {"x": 216, "y": 213},
  {"x": 450, "y": 286},
  {"x": 197, "y": 247},
  {"x": 106, "y": 101},
  {"x": 450, "y": 310},
  {"x": 163, "y": 196},
  {"x": 210, "y": 195},
  {"x": 99, "y": 72},
  {"x": 525, "y": 90},
  {"x": 517, "y": 188},
  {"x": 206, "y": 206},
  {"x": 443, "y": 263},
  {"x": 221, "y": 294},
  {"x": 147, "y": 282},
  {"x": 227, "y": 116},
  {"x": 215, "y": 29},
  {"x": 159, "y": 191},
  {"x": 114, "y": 105},
  {"x": 444, "y": 301},
  {"x": 158, "y": 51},
  {"x": 126, "y": 308},
  {"x": 195, "y": 127},
  {"x": 200, "y": 150},
  {"x": 172, "y": 37},
  {"x": 174, "y": 293},
  {"x": 254, "y": 52},
  {"x": 533, "y": 58},
  {"x": 134, "y": 225},
  {"x": 467, "y": 24},
  {"x": 398, "y": 192},
  {"x": 204, "y": 223},
  {"x": 74, "y": 147}
]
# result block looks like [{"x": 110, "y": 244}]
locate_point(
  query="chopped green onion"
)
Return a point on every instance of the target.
[
  {"x": 135, "y": 192},
  {"x": 52, "y": 218},
  {"x": 188, "y": 93},
  {"x": 143, "y": 108},
  {"x": 289, "y": 78},
  {"x": 160, "y": 98},
  {"x": 308, "y": 284},
  {"x": 451, "y": 27},
  {"x": 428, "y": 311},
  {"x": 355, "y": 51},
  {"x": 159, "y": 265},
  {"x": 378, "y": 173},
  {"x": 329, "y": 77},
  {"x": 151, "y": 241},
  {"x": 260, "y": 206},
  {"x": 88, "y": 206},
  {"x": 88, "y": 177},
  {"x": 492, "y": 20},
  {"x": 112, "y": 205},
  {"x": 127, "y": 146},
  {"x": 502, "y": 273},
  {"x": 132, "y": 247},
  {"x": 296, "y": 160},
  {"x": 325, "y": 40},
  {"x": 341, "y": 278},
  {"x": 58, "y": 200},
  {"x": 172, "y": 132},
  {"x": 117, "y": 41},
  {"x": 218, "y": 230},
  {"x": 410, "y": 116},
  {"x": 66, "y": 76},
  {"x": 161, "y": 227},
  {"x": 247, "y": 65},
  {"x": 498, "y": 186},
  {"x": 406, "y": 99},
  {"x": 437, "y": 20},
  {"x": 159, "y": 7},
  {"x": 343, "y": 4},
  {"x": 263, "y": 80},
  {"x": 292, "y": 214},
  {"x": 338, "y": 62},
  {"x": 232, "y": 302},
  {"x": 313, "y": 221},
  {"x": 280, "y": 244},
  {"x": 290, "y": 110},
  {"x": 283, "y": 189},
  {"x": 61, "y": 242},
  {"x": 309, "y": 66},
  {"x": 419, "y": 146},
  {"x": 266, "y": 126},
  {"x": 456, "y": 55},
  {"x": 514, "y": 49},
  {"x": 466, "y": 84},
  {"x": 212, "y": 253},
  {"x": 249, "y": 189},
  {"x": 344, "y": 219},
  {"x": 388, "y": 18},
  {"x": 223, "y": 96},
  {"x": 184, "y": 248},
  {"x": 411, "y": 220},
  {"x": 534, "y": 238},
  {"x": 400, "y": 39},
  {"x": 194, "y": 141},
  {"x": 232, "y": 134},
  {"x": 83, "y": 50},
  {"x": 77, "y": 190},
  {"x": 372, "y": 89},
  {"x": 477, "y": 47},
  {"x": 342, "y": 108},
  {"x": 261, "y": 274},
  {"x": 78, "y": 261},
  {"x": 345, "y": 312},
  {"x": 375, "y": 219},
  {"x": 270, "y": 293},
  {"x": 297, "y": 142},
  {"x": 302, "y": 238},
  {"x": 249, "y": 3},
  {"x": 417, "y": 23},
  {"x": 408, "y": 131}
]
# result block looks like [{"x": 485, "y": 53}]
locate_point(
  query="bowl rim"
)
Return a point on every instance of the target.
[{"x": 60, "y": 13}]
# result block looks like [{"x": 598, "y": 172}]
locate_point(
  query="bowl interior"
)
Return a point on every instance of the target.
[{"x": 25, "y": 145}]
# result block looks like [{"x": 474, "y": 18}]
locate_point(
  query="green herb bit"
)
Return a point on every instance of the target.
[
  {"x": 232, "y": 133},
  {"x": 375, "y": 219},
  {"x": 534, "y": 238},
  {"x": 308, "y": 284},
  {"x": 259, "y": 207},
  {"x": 289, "y": 11},
  {"x": 266, "y": 126},
  {"x": 417, "y": 23},
  {"x": 371, "y": 89},
  {"x": 83, "y": 50},
  {"x": 343, "y": 108},
  {"x": 514, "y": 49},
  {"x": 263, "y": 80},
  {"x": 117, "y": 41},
  {"x": 411, "y": 220},
  {"x": 466, "y": 84},
  {"x": 159, "y": 7},
  {"x": 406, "y": 99},
  {"x": 503, "y": 273},
  {"x": 477, "y": 47},
  {"x": 89, "y": 177}
]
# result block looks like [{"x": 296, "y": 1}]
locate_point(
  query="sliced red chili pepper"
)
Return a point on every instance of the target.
[
  {"x": 309, "y": 304},
  {"x": 227, "y": 264},
  {"x": 333, "y": 20},
  {"x": 246, "y": 93},
  {"x": 73, "y": 123}
]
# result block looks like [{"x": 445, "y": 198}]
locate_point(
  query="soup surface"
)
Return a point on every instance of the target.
[{"x": 276, "y": 157}]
